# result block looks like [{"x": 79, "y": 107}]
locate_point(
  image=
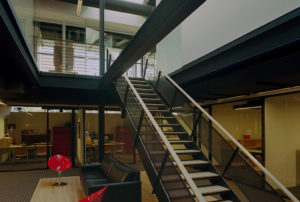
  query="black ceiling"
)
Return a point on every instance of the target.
[{"x": 265, "y": 59}]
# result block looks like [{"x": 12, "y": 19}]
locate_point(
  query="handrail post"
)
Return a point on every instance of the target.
[
  {"x": 124, "y": 102},
  {"x": 195, "y": 124},
  {"x": 160, "y": 172},
  {"x": 230, "y": 161},
  {"x": 137, "y": 136},
  {"x": 158, "y": 78},
  {"x": 145, "y": 69}
]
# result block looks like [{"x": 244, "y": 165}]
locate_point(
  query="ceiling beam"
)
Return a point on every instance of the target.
[
  {"x": 118, "y": 5},
  {"x": 162, "y": 21}
]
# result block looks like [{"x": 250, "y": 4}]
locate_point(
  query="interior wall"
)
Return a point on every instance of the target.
[
  {"x": 238, "y": 122},
  {"x": 169, "y": 51},
  {"x": 217, "y": 23},
  {"x": 2, "y": 128},
  {"x": 36, "y": 121},
  {"x": 282, "y": 118},
  {"x": 111, "y": 122}
]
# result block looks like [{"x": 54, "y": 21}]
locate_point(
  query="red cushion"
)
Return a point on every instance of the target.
[
  {"x": 95, "y": 197},
  {"x": 59, "y": 163}
]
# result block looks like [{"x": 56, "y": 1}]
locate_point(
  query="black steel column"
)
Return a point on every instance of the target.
[
  {"x": 101, "y": 119},
  {"x": 101, "y": 37},
  {"x": 48, "y": 149},
  {"x": 73, "y": 137},
  {"x": 83, "y": 137},
  {"x": 210, "y": 134},
  {"x": 263, "y": 138}
]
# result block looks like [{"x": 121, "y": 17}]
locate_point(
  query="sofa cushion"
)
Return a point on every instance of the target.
[
  {"x": 107, "y": 165},
  {"x": 96, "y": 182},
  {"x": 93, "y": 175},
  {"x": 118, "y": 173}
]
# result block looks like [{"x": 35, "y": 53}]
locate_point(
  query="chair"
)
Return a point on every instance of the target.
[
  {"x": 40, "y": 150},
  {"x": 59, "y": 163},
  {"x": 95, "y": 197},
  {"x": 20, "y": 152}
]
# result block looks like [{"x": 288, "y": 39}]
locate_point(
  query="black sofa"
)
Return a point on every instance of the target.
[{"x": 123, "y": 181}]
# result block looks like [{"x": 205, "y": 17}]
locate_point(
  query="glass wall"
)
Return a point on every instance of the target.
[
  {"x": 244, "y": 124},
  {"x": 23, "y": 138}
]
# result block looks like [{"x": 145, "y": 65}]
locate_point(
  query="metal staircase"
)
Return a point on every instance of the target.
[{"x": 188, "y": 159}]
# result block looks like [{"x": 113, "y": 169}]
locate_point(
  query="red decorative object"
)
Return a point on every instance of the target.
[
  {"x": 123, "y": 135},
  {"x": 62, "y": 141},
  {"x": 59, "y": 163},
  {"x": 95, "y": 197}
]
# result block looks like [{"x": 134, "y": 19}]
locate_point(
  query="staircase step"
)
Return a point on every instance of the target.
[
  {"x": 194, "y": 162},
  {"x": 187, "y": 151},
  {"x": 155, "y": 104},
  {"x": 148, "y": 94},
  {"x": 151, "y": 99},
  {"x": 214, "y": 199},
  {"x": 203, "y": 175},
  {"x": 174, "y": 133},
  {"x": 212, "y": 189},
  {"x": 162, "y": 117},
  {"x": 141, "y": 85},
  {"x": 187, "y": 163},
  {"x": 180, "y": 141},
  {"x": 165, "y": 124},
  {"x": 144, "y": 89},
  {"x": 159, "y": 110}
]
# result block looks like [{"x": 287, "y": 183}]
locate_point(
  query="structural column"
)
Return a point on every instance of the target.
[
  {"x": 101, "y": 119},
  {"x": 48, "y": 139},
  {"x": 101, "y": 37},
  {"x": 73, "y": 137}
]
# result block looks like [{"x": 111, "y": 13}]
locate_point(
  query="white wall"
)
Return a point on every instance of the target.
[
  {"x": 169, "y": 51},
  {"x": 217, "y": 23},
  {"x": 282, "y": 136}
]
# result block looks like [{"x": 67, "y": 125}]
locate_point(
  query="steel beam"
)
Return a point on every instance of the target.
[
  {"x": 118, "y": 5},
  {"x": 162, "y": 21}
]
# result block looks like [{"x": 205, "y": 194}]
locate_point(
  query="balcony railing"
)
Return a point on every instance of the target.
[{"x": 68, "y": 57}]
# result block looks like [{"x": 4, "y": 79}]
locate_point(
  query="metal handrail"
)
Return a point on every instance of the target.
[
  {"x": 241, "y": 147},
  {"x": 175, "y": 157},
  {"x": 178, "y": 162}
]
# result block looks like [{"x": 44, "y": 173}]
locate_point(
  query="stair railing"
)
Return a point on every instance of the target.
[
  {"x": 169, "y": 147},
  {"x": 234, "y": 141},
  {"x": 175, "y": 157}
]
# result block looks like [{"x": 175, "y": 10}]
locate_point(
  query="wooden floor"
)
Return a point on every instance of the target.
[
  {"x": 46, "y": 192},
  {"x": 147, "y": 195}
]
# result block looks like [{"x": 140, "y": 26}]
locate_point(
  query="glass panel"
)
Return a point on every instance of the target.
[
  {"x": 23, "y": 139},
  {"x": 91, "y": 136}
]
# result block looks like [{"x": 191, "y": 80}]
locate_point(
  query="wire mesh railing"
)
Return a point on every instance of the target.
[
  {"x": 67, "y": 56},
  {"x": 235, "y": 161}
]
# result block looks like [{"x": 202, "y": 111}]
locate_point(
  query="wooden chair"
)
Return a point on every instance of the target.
[
  {"x": 40, "y": 150},
  {"x": 20, "y": 152}
]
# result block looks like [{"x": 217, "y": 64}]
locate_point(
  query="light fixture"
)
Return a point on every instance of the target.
[
  {"x": 255, "y": 104},
  {"x": 79, "y": 5}
]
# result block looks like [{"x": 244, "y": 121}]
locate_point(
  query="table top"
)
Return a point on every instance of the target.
[
  {"x": 111, "y": 143},
  {"x": 71, "y": 192}
]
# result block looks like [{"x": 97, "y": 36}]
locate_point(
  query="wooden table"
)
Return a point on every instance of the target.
[{"x": 72, "y": 192}]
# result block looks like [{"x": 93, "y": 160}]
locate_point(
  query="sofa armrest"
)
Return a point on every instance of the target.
[
  {"x": 90, "y": 167},
  {"x": 126, "y": 191}
]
